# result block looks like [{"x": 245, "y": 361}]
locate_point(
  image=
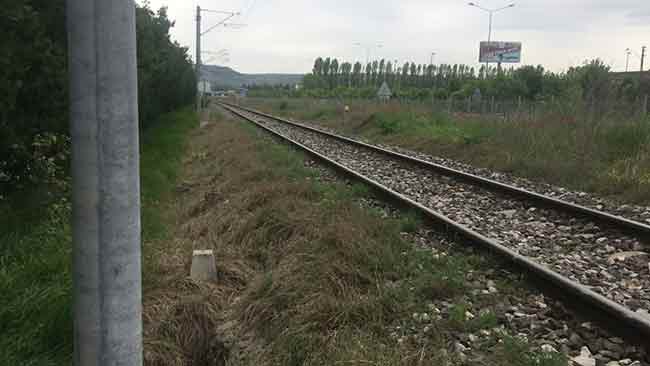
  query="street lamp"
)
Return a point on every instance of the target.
[
  {"x": 368, "y": 47},
  {"x": 433, "y": 54},
  {"x": 491, "y": 12},
  {"x": 628, "y": 52}
]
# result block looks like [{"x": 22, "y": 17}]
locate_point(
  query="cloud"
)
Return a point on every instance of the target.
[{"x": 286, "y": 35}]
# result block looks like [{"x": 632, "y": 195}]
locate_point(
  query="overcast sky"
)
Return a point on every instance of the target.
[{"x": 287, "y": 35}]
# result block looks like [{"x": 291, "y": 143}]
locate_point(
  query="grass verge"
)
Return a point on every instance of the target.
[{"x": 35, "y": 257}]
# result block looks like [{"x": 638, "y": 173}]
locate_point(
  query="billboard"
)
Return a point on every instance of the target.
[{"x": 507, "y": 52}]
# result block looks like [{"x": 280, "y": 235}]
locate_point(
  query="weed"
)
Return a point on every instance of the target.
[
  {"x": 484, "y": 320},
  {"x": 515, "y": 352},
  {"x": 411, "y": 221},
  {"x": 360, "y": 190}
]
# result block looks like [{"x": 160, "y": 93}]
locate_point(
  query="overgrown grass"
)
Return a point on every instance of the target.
[
  {"x": 163, "y": 147},
  {"x": 610, "y": 157},
  {"x": 35, "y": 261},
  {"x": 308, "y": 275}
]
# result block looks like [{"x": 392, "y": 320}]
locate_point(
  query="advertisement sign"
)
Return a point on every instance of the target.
[{"x": 504, "y": 52}]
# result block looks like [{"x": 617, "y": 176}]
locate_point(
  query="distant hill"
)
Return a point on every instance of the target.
[{"x": 221, "y": 76}]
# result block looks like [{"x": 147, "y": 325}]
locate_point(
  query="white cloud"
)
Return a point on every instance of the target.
[{"x": 286, "y": 35}]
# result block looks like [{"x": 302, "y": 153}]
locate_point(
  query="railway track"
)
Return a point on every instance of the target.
[{"x": 595, "y": 259}]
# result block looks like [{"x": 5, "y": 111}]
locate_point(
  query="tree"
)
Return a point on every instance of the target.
[
  {"x": 356, "y": 74},
  {"x": 34, "y": 85},
  {"x": 318, "y": 67},
  {"x": 346, "y": 69}
]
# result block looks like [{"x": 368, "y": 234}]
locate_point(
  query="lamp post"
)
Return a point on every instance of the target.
[
  {"x": 628, "y": 52},
  {"x": 433, "y": 54},
  {"x": 491, "y": 12}
]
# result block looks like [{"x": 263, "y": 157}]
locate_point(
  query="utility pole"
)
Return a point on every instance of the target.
[
  {"x": 628, "y": 52},
  {"x": 642, "y": 57},
  {"x": 199, "y": 34},
  {"x": 198, "y": 40},
  {"x": 107, "y": 286},
  {"x": 199, "y": 99}
]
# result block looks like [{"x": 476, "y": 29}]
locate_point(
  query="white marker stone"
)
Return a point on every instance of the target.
[{"x": 203, "y": 266}]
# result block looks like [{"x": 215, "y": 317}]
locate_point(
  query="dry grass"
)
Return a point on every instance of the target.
[{"x": 305, "y": 275}]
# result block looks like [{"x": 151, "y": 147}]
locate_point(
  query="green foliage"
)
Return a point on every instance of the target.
[
  {"x": 32, "y": 85},
  {"x": 34, "y": 143},
  {"x": 166, "y": 78}
]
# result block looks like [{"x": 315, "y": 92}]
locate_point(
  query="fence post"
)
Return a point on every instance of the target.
[
  {"x": 469, "y": 104},
  {"x": 492, "y": 105},
  {"x": 644, "y": 111}
]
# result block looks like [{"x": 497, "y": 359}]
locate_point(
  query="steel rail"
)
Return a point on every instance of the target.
[
  {"x": 612, "y": 315},
  {"x": 641, "y": 230}
]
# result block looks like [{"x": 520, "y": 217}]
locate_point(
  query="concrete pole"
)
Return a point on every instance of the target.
[
  {"x": 106, "y": 183},
  {"x": 643, "y": 49},
  {"x": 199, "y": 93},
  {"x": 198, "y": 38}
]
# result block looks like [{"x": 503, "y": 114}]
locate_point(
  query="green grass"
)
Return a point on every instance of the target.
[{"x": 35, "y": 257}]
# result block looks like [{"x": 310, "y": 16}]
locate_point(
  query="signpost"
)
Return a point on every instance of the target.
[
  {"x": 500, "y": 52},
  {"x": 384, "y": 94}
]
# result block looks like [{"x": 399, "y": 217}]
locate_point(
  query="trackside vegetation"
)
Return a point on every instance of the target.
[
  {"x": 307, "y": 274},
  {"x": 607, "y": 156}
]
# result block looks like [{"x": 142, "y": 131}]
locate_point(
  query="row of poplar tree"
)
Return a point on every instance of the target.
[
  {"x": 329, "y": 78},
  {"x": 330, "y": 73},
  {"x": 34, "y": 138}
]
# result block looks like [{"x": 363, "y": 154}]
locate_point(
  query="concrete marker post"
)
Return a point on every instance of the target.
[{"x": 106, "y": 183}]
